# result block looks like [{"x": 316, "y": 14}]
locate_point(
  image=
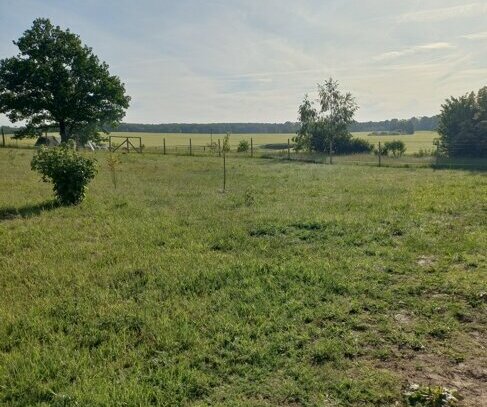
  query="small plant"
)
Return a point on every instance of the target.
[
  {"x": 396, "y": 147},
  {"x": 424, "y": 153},
  {"x": 212, "y": 147},
  {"x": 430, "y": 396},
  {"x": 113, "y": 161},
  {"x": 249, "y": 197},
  {"x": 243, "y": 146},
  {"x": 226, "y": 143},
  {"x": 381, "y": 150},
  {"x": 69, "y": 171}
]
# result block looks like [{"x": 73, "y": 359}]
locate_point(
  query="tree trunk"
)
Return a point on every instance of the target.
[{"x": 62, "y": 131}]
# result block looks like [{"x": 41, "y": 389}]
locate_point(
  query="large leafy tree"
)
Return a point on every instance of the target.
[
  {"x": 328, "y": 123},
  {"x": 463, "y": 125},
  {"x": 57, "y": 82}
]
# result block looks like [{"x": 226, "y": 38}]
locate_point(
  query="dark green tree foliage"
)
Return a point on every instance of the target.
[
  {"x": 57, "y": 82},
  {"x": 69, "y": 172},
  {"x": 414, "y": 124},
  {"x": 463, "y": 125},
  {"x": 396, "y": 147},
  {"x": 329, "y": 123},
  {"x": 243, "y": 146}
]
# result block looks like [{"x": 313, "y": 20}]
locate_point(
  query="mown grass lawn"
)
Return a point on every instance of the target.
[{"x": 303, "y": 285}]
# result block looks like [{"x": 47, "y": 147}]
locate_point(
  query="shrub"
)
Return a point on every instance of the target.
[
  {"x": 424, "y": 153},
  {"x": 396, "y": 147},
  {"x": 226, "y": 143},
  {"x": 353, "y": 146},
  {"x": 69, "y": 171},
  {"x": 243, "y": 146}
]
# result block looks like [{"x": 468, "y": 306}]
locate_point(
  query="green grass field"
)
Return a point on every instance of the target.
[
  {"x": 420, "y": 140},
  {"x": 303, "y": 285}
]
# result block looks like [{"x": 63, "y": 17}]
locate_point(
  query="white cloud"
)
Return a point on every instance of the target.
[
  {"x": 476, "y": 36},
  {"x": 446, "y": 13},
  {"x": 253, "y": 60},
  {"x": 413, "y": 50}
]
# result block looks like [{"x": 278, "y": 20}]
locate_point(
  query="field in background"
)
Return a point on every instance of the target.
[
  {"x": 420, "y": 140},
  {"x": 303, "y": 285}
]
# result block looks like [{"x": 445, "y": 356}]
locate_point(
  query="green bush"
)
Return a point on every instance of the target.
[
  {"x": 243, "y": 146},
  {"x": 69, "y": 171},
  {"x": 396, "y": 147},
  {"x": 353, "y": 146}
]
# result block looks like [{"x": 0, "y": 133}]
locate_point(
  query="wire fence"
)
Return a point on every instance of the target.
[
  {"x": 424, "y": 157},
  {"x": 430, "y": 155}
]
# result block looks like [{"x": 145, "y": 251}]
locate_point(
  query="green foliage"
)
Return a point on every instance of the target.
[
  {"x": 424, "y": 152},
  {"x": 327, "y": 124},
  {"x": 463, "y": 125},
  {"x": 57, "y": 82},
  {"x": 113, "y": 161},
  {"x": 438, "y": 396},
  {"x": 395, "y": 147},
  {"x": 243, "y": 146},
  {"x": 226, "y": 143},
  {"x": 69, "y": 171}
]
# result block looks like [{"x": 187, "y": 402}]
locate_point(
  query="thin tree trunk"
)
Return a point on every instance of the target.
[{"x": 62, "y": 131}]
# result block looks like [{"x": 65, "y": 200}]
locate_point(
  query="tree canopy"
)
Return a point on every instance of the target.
[
  {"x": 327, "y": 126},
  {"x": 56, "y": 82},
  {"x": 463, "y": 125}
]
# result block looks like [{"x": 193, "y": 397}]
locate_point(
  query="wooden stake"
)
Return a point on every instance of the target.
[{"x": 380, "y": 154}]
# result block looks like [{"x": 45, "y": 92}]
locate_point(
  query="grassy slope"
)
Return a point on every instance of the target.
[
  {"x": 420, "y": 140},
  {"x": 303, "y": 285}
]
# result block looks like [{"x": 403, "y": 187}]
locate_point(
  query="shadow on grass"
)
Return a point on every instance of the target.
[{"x": 27, "y": 211}]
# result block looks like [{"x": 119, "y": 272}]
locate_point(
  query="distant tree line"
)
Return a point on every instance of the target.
[
  {"x": 403, "y": 126},
  {"x": 394, "y": 125},
  {"x": 217, "y": 128},
  {"x": 408, "y": 126}
]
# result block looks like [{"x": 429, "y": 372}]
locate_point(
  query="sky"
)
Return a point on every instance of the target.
[{"x": 254, "y": 60}]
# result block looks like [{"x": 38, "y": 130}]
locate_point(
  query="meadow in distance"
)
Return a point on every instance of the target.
[{"x": 414, "y": 142}]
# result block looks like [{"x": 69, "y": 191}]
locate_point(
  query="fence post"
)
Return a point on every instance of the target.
[
  {"x": 331, "y": 154},
  {"x": 3, "y": 137},
  {"x": 251, "y": 147},
  {"x": 219, "y": 149},
  {"x": 224, "y": 172},
  {"x": 380, "y": 153},
  {"x": 110, "y": 143},
  {"x": 190, "y": 148},
  {"x": 437, "y": 154},
  {"x": 164, "y": 146},
  {"x": 288, "y": 150}
]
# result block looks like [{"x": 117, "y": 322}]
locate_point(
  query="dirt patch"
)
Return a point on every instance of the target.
[
  {"x": 426, "y": 261},
  {"x": 467, "y": 378},
  {"x": 403, "y": 318}
]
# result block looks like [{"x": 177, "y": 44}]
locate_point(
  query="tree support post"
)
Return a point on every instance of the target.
[
  {"x": 380, "y": 154},
  {"x": 331, "y": 154},
  {"x": 3, "y": 138},
  {"x": 164, "y": 146},
  {"x": 219, "y": 149},
  {"x": 224, "y": 172},
  {"x": 190, "y": 148}
]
